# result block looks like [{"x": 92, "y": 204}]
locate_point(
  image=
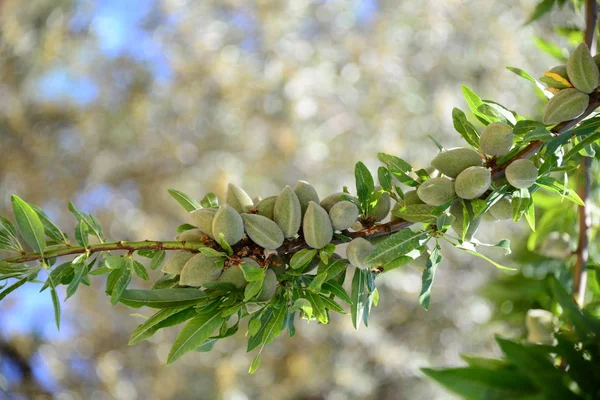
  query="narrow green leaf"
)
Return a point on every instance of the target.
[
  {"x": 80, "y": 270},
  {"x": 157, "y": 260},
  {"x": 364, "y": 185},
  {"x": 540, "y": 87},
  {"x": 210, "y": 201},
  {"x": 148, "y": 328},
  {"x": 253, "y": 288},
  {"x": 428, "y": 275},
  {"x": 317, "y": 281},
  {"x": 252, "y": 273},
  {"x": 257, "y": 328},
  {"x": 318, "y": 307},
  {"x": 81, "y": 233},
  {"x": 358, "y": 297},
  {"x": 29, "y": 224},
  {"x": 255, "y": 364},
  {"x": 417, "y": 213},
  {"x": 13, "y": 287},
  {"x": 161, "y": 298},
  {"x": 55, "y": 301},
  {"x": 140, "y": 270},
  {"x": 302, "y": 258},
  {"x": 196, "y": 332},
  {"x": 121, "y": 283},
  {"x": 543, "y": 7},
  {"x": 186, "y": 201},
  {"x": 554, "y": 185},
  {"x": 338, "y": 290},
  {"x": 584, "y": 327},
  {"x": 465, "y": 128},
  {"x": 51, "y": 229},
  {"x": 474, "y": 101}
]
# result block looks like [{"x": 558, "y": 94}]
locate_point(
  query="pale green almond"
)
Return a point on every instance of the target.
[
  {"x": 306, "y": 193},
  {"x": 436, "y": 191},
  {"x": 228, "y": 222},
  {"x": 566, "y": 105},
  {"x": 473, "y": 182},
  {"x": 582, "y": 69},
  {"x": 357, "y": 252},
  {"x": 502, "y": 209},
  {"x": 262, "y": 231},
  {"x": 191, "y": 235},
  {"x": 176, "y": 263},
  {"x": 383, "y": 206},
  {"x": 453, "y": 161},
  {"x": 316, "y": 226},
  {"x": 200, "y": 269},
  {"x": 203, "y": 219},
  {"x": 265, "y": 206},
  {"x": 456, "y": 209},
  {"x": 287, "y": 212},
  {"x": 496, "y": 139},
  {"x": 269, "y": 286},
  {"x": 333, "y": 198},
  {"x": 238, "y": 198},
  {"x": 521, "y": 173},
  {"x": 343, "y": 215},
  {"x": 234, "y": 275}
]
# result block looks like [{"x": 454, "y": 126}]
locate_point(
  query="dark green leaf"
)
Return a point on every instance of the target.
[
  {"x": 51, "y": 229},
  {"x": 79, "y": 269},
  {"x": 210, "y": 201},
  {"x": 194, "y": 334},
  {"x": 121, "y": 283},
  {"x": 385, "y": 179},
  {"x": 81, "y": 233},
  {"x": 554, "y": 185},
  {"x": 584, "y": 327},
  {"x": 338, "y": 290},
  {"x": 140, "y": 271},
  {"x": 253, "y": 288},
  {"x": 417, "y": 213},
  {"x": 543, "y": 7},
  {"x": 13, "y": 287},
  {"x": 258, "y": 326}
]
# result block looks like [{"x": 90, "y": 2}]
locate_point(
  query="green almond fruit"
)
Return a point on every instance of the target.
[
  {"x": 582, "y": 70},
  {"x": 357, "y": 252},
  {"x": 306, "y": 193},
  {"x": 521, "y": 173},
  {"x": 496, "y": 139},
  {"x": 382, "y": 207},
  {"x": 343, "y": 215},
  {"x": 228, "y": 222},
  {"x": 203, "y": 219},
  {"x": 201, "y": 269},
  {"x": 411, "y": 197},
  {"x": 191, "y": 235},
  {"x": 238, "y": 199},
  {"x": 452, "y": 162},
  {"x": 566, "y": 105},
  {"x": 287, "y": 212},
  {"x": 473, "y": 182},
  {"x": 233, "y": 275},
  {"x": 456, "y": 209},
  {"x": 262, "y": 231},
  {"x": 269, "y": 286},
  {"x": 540, "y": 326},
  {"x": 436, "y": 191},
  {"x": 265, "y": 206},
  {"x": 502, "y": 209},
  {"x": 316, "y": 226},
  {"x": 176, "y": 263},
  {"x": 330, "y": 200}
]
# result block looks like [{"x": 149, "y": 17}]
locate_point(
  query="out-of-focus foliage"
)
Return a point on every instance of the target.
[{"x": 111, "y": 102}]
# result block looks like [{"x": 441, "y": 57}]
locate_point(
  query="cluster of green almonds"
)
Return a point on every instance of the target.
[
  {"x": 267, "y": 222},
  {"x": 571, "y": 84}
]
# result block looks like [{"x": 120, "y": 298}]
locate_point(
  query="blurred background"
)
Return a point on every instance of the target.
[{"x": 109, "y": 103}]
